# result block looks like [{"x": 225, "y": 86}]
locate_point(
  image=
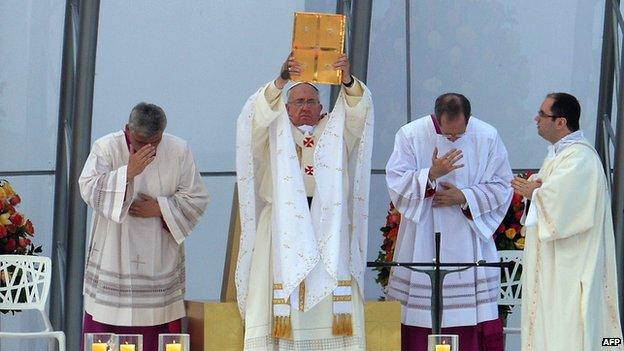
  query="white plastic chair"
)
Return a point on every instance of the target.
[
  {"x": 27, "y": 276},
  {"x": 511, "y": 290}
]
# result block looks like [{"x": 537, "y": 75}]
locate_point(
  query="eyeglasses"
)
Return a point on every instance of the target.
[
  {"x": 302, "y": 102},
  {"x": 541, "y": 114}
]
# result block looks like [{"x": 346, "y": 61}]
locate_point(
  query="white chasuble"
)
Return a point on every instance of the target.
[
  {"x": 470, "y": 296},
  {"x": 293, "y": 258},
  {"x": 134, "y": 274},
  {"x": 569, "y": 296}
]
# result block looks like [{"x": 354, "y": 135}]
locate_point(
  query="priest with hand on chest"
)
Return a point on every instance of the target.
[
  {"x": 449, "y": 173},
  {"x": 147, "y": 196}
]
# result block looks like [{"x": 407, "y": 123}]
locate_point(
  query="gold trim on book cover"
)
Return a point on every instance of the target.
[{"x": 318, "y": 41}]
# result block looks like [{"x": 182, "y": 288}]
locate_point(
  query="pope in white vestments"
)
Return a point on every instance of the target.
[
  {"x": 449, "y": 173},
  {"x": 147, "y": 196},
  {"x": 569, "y": 293},
  {"x": 303, "y": 180}
]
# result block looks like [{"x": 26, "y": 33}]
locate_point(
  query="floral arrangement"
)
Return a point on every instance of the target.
[
  {"x": 386, "y": 254},
  {"x": 15, "y": 233},
  {"x": 510, "y": 233},
  {"x": 16, "y": 230}
]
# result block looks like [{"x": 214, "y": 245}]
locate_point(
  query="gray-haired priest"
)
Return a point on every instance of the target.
[
  {"x": 303, "y": 181},
  {"x": 147, "y": 196}
]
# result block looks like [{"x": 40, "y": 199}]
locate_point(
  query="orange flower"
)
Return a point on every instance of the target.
[
  {"x": 510, "y": 233},
  {"x": 519, "y": 244}
]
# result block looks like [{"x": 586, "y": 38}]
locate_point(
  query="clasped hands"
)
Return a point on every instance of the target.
[
  {"x": 449, "y": 195},
  {"x": 525, "y": 187}
]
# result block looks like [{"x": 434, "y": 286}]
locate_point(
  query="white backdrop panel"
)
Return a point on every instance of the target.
[
  {"x": 387, "y": 76},
  {"x": 505, "y": 56},
  {"x": 205, "y": 248},
  {"x": 199, "y": 60},
  {"x": 31, "y": 37}
]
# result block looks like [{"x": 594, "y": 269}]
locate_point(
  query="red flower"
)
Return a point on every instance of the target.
[
  {"x": 23, "y": 242},
  {"x": 516, "y": 200},
  {"x": 15, "y": 200},
  {"x": 16, "y": 219},
  {"x": 518, "y": 214},
  {"x": 3, "y": 231},
  {"x": 28, "y": 227},
  {"x": 389, "y": 255},
  {"x": 394, "y": 219},
  {"x": 10, "y": 245},
  {"x": 392, "y": 234},
  {"x": 501, "y": 228},
  {"x": 11, "y": 228}
]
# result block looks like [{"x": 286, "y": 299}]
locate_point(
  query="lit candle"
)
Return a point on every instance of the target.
[
  {"x": 443, "y": 347},
  {"x": 99, "y": 346},
  {"x": 127, "y": 347},
  {"x": 173, "y": 347}
]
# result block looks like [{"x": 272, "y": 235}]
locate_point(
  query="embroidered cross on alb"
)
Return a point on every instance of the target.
[
  {"x": 309, "y": 170},
  {"x": 308, "y": 141},
  {"x": 137, "y": 261}
]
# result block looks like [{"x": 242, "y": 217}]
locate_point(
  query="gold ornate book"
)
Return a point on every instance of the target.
[{"x": 318, "y": 41}]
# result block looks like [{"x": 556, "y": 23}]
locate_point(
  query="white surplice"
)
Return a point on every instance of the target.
[
  {"x": 282, "y": 237},
  {"x": 470, "y": 296},
  {"x": 134, "y": 274},
  {"x": 569, "y": 296}
]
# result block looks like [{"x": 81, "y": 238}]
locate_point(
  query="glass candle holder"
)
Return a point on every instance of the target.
[
  {"x": 174, "y": 342},
  {"x": 443, "y": 342},
  {"x": 130, "y": 342},
  {"x": 100, "y": 342}
]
